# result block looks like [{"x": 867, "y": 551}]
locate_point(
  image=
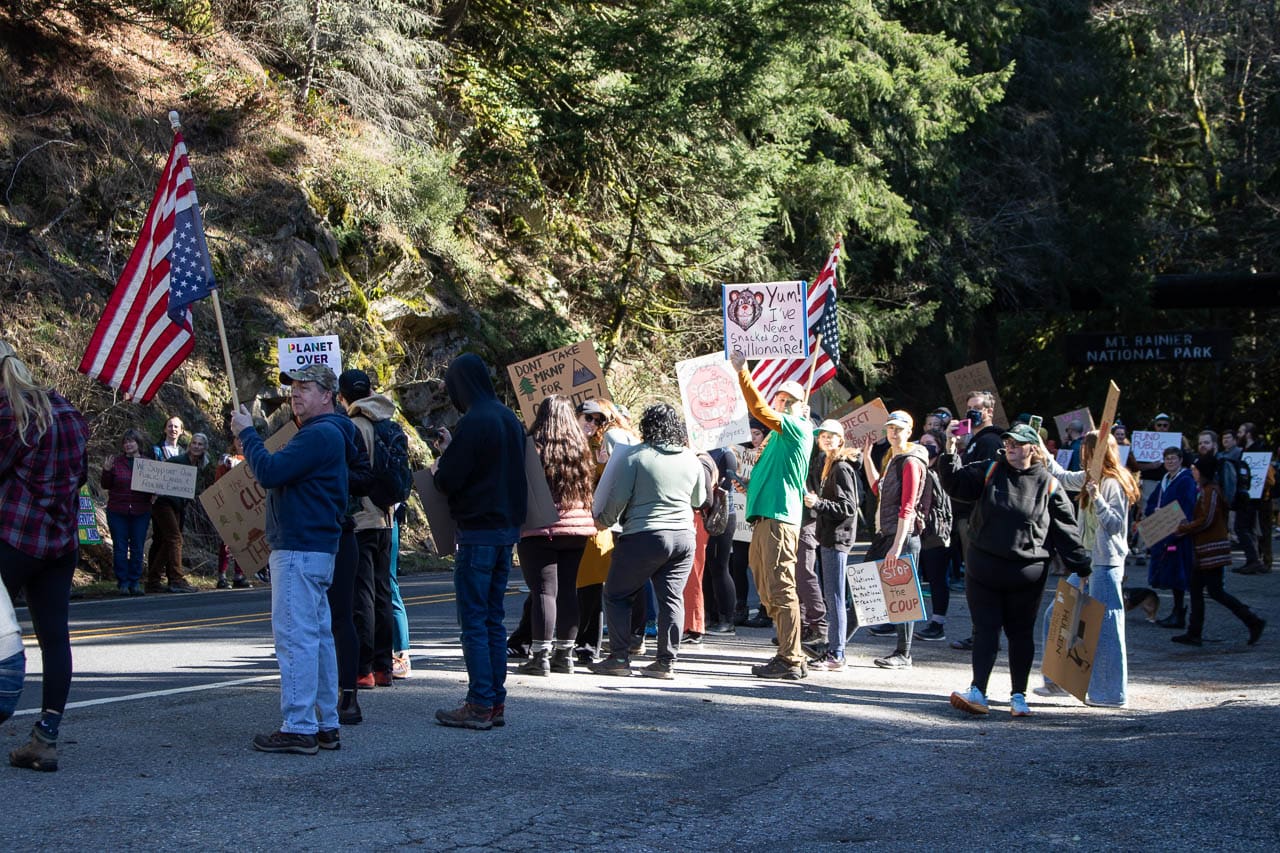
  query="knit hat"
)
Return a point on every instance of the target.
[{"x": 1207, "y": 466}]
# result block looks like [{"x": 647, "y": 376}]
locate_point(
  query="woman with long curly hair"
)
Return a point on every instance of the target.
[
  {"x": 42, "y": 467},
  {"x": 549, "y": 556},
  {"x": 652, "y": 491}
]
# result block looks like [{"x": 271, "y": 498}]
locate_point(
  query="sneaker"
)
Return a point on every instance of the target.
[
  {"x": 760, "y": 620},
  {"x": 693, "y": 638},
  {"x": 722, "y": 628},
  {"x": 1050, "y": 689},
  {"x": 382, "y": 678},
  {"x": 1018, "y": 706},
  {"x": 328, "y": 739},
  {"x": 498, "y": 716},
  {"x": 830, "y": 663},
  {"x": 286, "y": 742},
  {"x": 1093, "y": 703},
  {"x": 365, "y": 682},
  {"x": 585, "y": 656},
  {"x": 1187, "y": 640},
  {"x": 612, "y": 665},
  {"x": 651, "y": 628},
  {"x": 965, "y": 645},
  {"x": 897, "y": 660},
  {"x": 1255, "y": 631},
  {"x": 466, "y": 716},
  {"x": 223, "y": 583},
  {"x": 519, "y": 651},
  {"x": 39, "y": 753},
  {"x": 638, "y": 648},
  {"x": 263, "y": 575},
  {"x": 932, "y": 632},
  {"x": 779, "y": 670},
  {"x": 135, "y": 590},
  {"x": 971, "y": 701},
  {"x": 815, "y": 651},
  {"x": 241, "y": 582},
  {"x": 1249, "y": 569},
  {"x": 663, "y": 669},
  {"x": 122, "y": 589},
  {"x": 401, "y": 666},
  {"x": 883, "y": 630},
  {"x": 182, "y": 586}
]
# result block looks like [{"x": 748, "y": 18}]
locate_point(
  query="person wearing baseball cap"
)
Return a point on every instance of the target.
[
  {"x": 834, "y": 506},
  {"x": 775, "y": 506}
]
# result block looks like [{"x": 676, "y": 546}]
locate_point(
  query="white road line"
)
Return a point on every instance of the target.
[{"x": 196, "y": 688}]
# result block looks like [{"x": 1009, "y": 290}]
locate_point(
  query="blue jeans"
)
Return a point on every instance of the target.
[
  {"x": 399, "y": 616},
  {"x": 128, "y": 533},
  {"x": 12, "y": 670},
  {"x": 833, "y": 585},
  {"x": 304, "y": 640},
  {"x": 480, "y": 582},
  {"x": 1110, "y": 677}
]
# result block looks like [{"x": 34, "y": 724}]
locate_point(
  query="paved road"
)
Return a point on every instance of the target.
[{"x": 713, "y": 760}]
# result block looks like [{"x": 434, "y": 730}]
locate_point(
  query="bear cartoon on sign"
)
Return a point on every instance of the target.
[{"x": 745, "y": 307}]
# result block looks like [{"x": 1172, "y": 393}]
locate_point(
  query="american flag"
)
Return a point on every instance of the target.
[
  {"x": 146, "y": 331},
  {"x": 769, "y": 373}
]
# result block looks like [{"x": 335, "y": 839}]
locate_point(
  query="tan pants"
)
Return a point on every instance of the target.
[{"x": 772, "y": 557}]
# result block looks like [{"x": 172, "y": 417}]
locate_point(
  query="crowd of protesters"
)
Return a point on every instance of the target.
[{"x": 644, "y": 532}]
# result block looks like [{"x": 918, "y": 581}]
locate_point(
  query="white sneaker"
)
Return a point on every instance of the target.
[
  {"x": 1050, "y": 689},
  {"x": 971, "y": 701},
  {"x": 1018, "y": 706}
]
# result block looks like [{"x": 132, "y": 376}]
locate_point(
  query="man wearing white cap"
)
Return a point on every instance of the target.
[{"x": 775, "y": 504}]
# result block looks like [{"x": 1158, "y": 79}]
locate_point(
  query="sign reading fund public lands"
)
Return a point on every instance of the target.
[
  {"x": 572, "y": 371},
  {"x": 1149, "y": 446},
  {"x": 766, "y": 320},
  {"x": 297, "y": 353},
  {"x": 714, "y": 409},
  {"x": 886, "y": 591}
]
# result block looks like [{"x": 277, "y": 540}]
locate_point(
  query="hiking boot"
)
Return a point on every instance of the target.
[
  {"x": 537, "y": 664},
  {"x": 241, "y": 582},
  {"x": 897, "y": 660},
  {"x": 349, "y": 713},
  {"x": 562, "y": 661},
  {"x": 382, "y": 678},
  {"x": 933, "y": 632},
  {"x": 401, "y": 666},
  {"x": 1018, "y": 706},
  {"x": 612, "y": 665},
  {"x": 328, "y": 739},
  {"x": 498, "y": 716},
  {"x": 663, "y": 669},
  {"x": 286, "y": 742},
  {"x": 182, "y": 586},
  {"x": 813, "y": 635},
  {"x": 39, "y": 753},
  {"x": 365, "y": 682},
  {"x": 971, "y": 701},
  {"x": 223, "y": 583},
  {"x": 779, "y": 670},
  {"x": 467, "y": 716}
]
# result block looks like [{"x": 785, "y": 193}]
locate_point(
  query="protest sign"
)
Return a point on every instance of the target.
[
  {"x": 1104, "y": 429},
  {"x": 715, "y": 412},
  {"x": 975, "y": 377},
  {"x": 436, "y": 506},
  {"x": 1066, "y": 418},
  {"x": 1258, "y": 463},
  {"x": 1160, "y": 524},
  {"x": 1074, "y": 627},
  {"x": 1124, "y": 457},
  {"x": 87, "y": 520},
  {"x": 164, "y": 478},
  {"x": 297, "y": 353},
  {"x": 1063, "y": 458},
  {"x": 768, "y": 320},
  {"x": 1149, "y": 446},
  {"x": 864, "y": 421},
  {"x": 572, "y": 371},
  {"x": 886, "y": 592},
  {"x": 541, "y": 511},
  {"x": 741, "y": 530}
]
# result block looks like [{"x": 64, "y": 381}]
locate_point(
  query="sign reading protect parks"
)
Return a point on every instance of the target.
[
  {"x": 868, "y": 420},
  {"x": 164, "y": 478},
  {"x": 572, "y": 371},
  {"x": 886, "y": 591},
  {"x": 714, "y": 409},
  {"x": 768, "y": 320}
]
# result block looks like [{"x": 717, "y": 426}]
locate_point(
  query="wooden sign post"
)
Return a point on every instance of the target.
[{"x": 1104, "y": 430}]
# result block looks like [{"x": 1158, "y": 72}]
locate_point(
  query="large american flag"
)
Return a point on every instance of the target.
[
  {"x": 146, "y": 331},
  {"x": 769, "y": 373}
]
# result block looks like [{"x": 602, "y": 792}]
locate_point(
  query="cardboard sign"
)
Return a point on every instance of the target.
[
  {"x": 1150, "y": 446},
  {"x": 572, "y": 371},
  {"x": 1258, "y": 463},
  {"x": 87, "y": 520},
  {"x": 164, "y": 478},
  {"x": 436, "y": 506},
  {"x": 768, "y": 320},
  {"x": 715, "y": 411},
  {"x": 1066, "y": 418},
  {"x": 886, "y": 592},
  {"x": 868, "y": 420},
  {"x": 975, "y": 377},
  {"x": 1074, "y": 626},
  {"x": 541, "y": 505},
  {"x": 1104, "y": 429},
  {"x": 297, "y": 353},
  {"x": 741, "y": 530},
  {"x": 1161, "y": 524},
  {"x": 1063, "y": 458}
]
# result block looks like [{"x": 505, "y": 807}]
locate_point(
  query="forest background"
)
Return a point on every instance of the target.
[{"x": 424, "y": 177}]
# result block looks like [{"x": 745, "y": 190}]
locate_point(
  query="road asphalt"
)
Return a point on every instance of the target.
[{"x": 155, "y": 750}]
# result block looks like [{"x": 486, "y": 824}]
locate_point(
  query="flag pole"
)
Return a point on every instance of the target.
[
  {"x": 813, "y": 366},
  {"x": 176, "y": 124}
]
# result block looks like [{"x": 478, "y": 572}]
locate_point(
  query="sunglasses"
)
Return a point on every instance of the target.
[{"x": 598, "y": 420}]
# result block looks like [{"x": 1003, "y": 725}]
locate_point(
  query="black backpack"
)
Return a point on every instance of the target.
[
  {"x": 935, "y": 510},
  {"x": 392, "y": 478},
  {"x": 1244, "y": 481},
  {"x": 715, "y": 512}
]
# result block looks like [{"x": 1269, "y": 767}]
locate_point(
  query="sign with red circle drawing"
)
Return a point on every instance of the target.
[{"x": 886, "y": 591}]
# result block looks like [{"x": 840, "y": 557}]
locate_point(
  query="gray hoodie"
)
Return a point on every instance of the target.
[{"x": 655, "y": 487}]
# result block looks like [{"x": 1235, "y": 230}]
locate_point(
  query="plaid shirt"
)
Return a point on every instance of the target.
[{"x": 39, "y": 483}]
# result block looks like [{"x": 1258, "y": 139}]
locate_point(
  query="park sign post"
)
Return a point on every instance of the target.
[{"x": 1122, "y": 348}]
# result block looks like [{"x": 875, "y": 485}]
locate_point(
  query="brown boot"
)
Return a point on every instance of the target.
[{"x": 40, "y": 753}]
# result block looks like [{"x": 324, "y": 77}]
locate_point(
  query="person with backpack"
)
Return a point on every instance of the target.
[
  {"x": 719, "y": 590},
  {"x": 834, "y": 507},
  {"x": 695, "y": 613},
  {"x": 1253, "y": 515},
  {"x": 935, "y": 542},
  {"x": 1207, "y": 445},
  {"x": 387, "y": 447}
]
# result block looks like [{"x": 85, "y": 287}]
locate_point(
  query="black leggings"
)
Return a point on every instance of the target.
[
  {"x": 341, "y": 609},
  {"x": 47, "y": 585},
  {"x": 739, "y": 568},
  {"x": 1005, "y": 596},
  {"x": 933, "y": 567},
  {"x": 717, "y": 579},
  {"x": 1210, "y": 581},
  {"x": 550, "y": 568}
]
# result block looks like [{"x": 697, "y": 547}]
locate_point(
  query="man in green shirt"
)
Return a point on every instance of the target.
[{"x": 775, "y": 503}]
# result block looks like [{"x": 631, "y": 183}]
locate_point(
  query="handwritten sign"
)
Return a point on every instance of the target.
[
  {"x": 1065, "y": 420},
  {"x": 1074, "y": 627},
  {"x": 164, "y": 478},
  {"x": 715, "y": 412},
  {"x": 572, "y": 371},
  {"x": 444, "y": 531},
  {"x": 886, "y": 591},
  {"x": 1258, "y": 463},
  {"x": 1104, "y": 429},
  {"x": 741, "y": 529},
  {"x": 1063, "y": 458},
  {"x": 1150, "y": 446},
  {"x": 297, "y": 353},
  {"x": 766, "y": 320},
  {"x": 87, "y": 520},
  {"x": 1160, "y": 524},
  {"x": 868, "y": 420},
  {"x": 975, "y": 377}
]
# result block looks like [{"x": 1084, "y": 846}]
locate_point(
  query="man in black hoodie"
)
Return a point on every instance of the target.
[{"x": 481, "y": 471}]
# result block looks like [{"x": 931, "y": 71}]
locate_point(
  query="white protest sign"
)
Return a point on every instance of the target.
[
  {"x": 1124, "y": 455},
  {"x": 886, "y": 592},
  {"x": 1150, "y": 446},
  {"x": 864, "y": 421},
  {"x": 1064, "y": 457},
  {"x": 297, "y": 353},
  {"x": 715, "y": 412},
  {"x": 741, "y": 530},
  {"x": 164, "y": 478},
  {"x": 1257, "y": 463},
  {"x": 768, "y": 320}
]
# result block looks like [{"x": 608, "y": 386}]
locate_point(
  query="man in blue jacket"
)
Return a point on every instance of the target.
[
  {"x": 306, "y": 483},
  {"x": 481, "y": 471}
]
